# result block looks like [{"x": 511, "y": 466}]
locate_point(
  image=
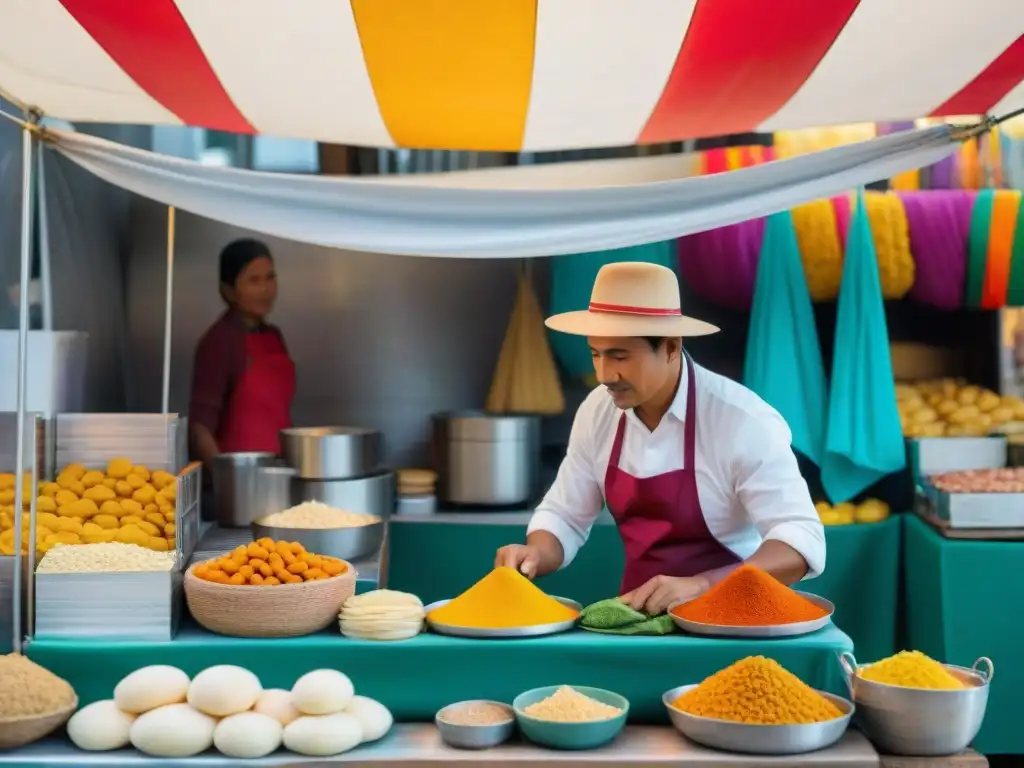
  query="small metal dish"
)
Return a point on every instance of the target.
[
  {"x": 918, "y": 721},
  {"x": 537, "y": 630},
  {"x": 475, "y": 736},
  {"x": 758, "y": 739},
  {"x": 772, "y": 630},
  {"x": 350, "y": 543}
]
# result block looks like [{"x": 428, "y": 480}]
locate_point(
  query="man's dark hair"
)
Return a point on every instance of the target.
[{"x": 655, "y": 341}]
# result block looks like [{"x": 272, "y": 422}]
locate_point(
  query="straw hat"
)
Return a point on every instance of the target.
[{"x": 632, "y": 299}]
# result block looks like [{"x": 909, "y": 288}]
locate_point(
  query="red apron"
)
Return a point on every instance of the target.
[
  {"x": 260, "y": 404},
  {"x": 659, "y": 518}
]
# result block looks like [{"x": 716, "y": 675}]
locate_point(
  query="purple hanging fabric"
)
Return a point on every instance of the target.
[
  {"x": 942, "y": 173},
  {"x": 721, "y": 264},
  {"x": 939, "y": 223}
]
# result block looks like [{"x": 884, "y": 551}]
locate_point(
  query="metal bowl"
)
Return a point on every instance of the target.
[
  {"x": 350, "y": 543},
  {"x": 475, "y": 736},
  {"x": 332, "y": 453},
  {"x": 772, "y": 630},
  {"x": 533, "y": 631},
  {"x": 758, "y": 739},
  {"x": 916, "y": 721},
  {"x": 370, "y": 495}
]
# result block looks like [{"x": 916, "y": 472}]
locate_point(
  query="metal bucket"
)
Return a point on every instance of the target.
[
  {"x": 916, "y": 721},
  {"x": 332, "y": 453},
  {"x": 235, "y": 487}
]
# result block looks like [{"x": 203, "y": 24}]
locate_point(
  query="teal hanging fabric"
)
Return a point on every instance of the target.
[
  {"x": 572, "y": 277},
  {"x": 863, "y": 439},
  {"x": 783, "y": 363}
]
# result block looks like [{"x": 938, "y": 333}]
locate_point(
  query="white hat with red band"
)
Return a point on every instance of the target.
[{"x": 632, "y": 299}]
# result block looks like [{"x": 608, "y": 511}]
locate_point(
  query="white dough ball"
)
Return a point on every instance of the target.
[
  {"x": 278, "y": 704},
  {"x": 224, "y": 690},
  {"x": 322, "y": 692},
  {"x": 247, "y": 735},
  {"x": 374, "y": 718},
  {"x": 176, "y": 730},
  {"x": 151, "y": 687},
  {"x": 322, "y": 735},
  {"x": 100, "y": 726}
]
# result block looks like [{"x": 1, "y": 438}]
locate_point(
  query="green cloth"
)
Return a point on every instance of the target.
[
  {"x": 977, "y": 247},
  {"x": 417, "y": 677},
  {"x": 965, "y": 599},
  {"x": 782, "y": 328},
  {"x": 865, "y": 595},
  {"x": 1015, "y": 287},
  {"x": 614, "y": 617},
  {"x": 864, "y": 438}
]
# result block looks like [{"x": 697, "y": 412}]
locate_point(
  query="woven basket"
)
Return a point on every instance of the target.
[
  {"x": 20, "y": 731},
  {"x": 283, "y": 610}
]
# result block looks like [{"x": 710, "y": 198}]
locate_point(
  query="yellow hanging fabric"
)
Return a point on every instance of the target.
[{"x": 820, "y": 249}]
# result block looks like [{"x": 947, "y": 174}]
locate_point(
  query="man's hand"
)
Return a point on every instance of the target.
[
  {"x": 523, "y": 557},
  {"x": 663, "y": 593}
]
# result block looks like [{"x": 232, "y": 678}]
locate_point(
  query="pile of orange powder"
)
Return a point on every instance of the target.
[{"x": 749, "y": 597}]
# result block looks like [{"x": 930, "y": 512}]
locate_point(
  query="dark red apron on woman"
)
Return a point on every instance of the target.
[
  {"x": 259, "y": 405},
  {"x": 659, "y": 518}
]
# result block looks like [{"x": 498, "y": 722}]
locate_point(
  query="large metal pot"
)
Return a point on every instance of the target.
[
  {"x": 373, "y": 495},
  {"x": 486, "y": 459},
  {"x": 236, "y": 491},
  {"x": 332, "y": 453}
]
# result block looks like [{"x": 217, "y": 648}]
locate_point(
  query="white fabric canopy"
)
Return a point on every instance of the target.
[{"x": 488, "y": 214}]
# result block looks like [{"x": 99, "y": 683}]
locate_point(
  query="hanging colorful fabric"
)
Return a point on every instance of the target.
[
  {"x": 720, "y": 264},
  {"x": 572, "y": 277},
  {"x": 863, "y": 438},
  {"x": 782, "y": 328},
  {"x": 734, "y": 158},
  {"x": 1005, "y": 205},
  {"x": 888, "y": 222},
  {"x": 820, "y": 252},
  {"x": 977, "y": 247},
  {"x": 939, "y": 222},
  {"x": 1015, "y": 290},
  {"x": 841, "y": 208}
]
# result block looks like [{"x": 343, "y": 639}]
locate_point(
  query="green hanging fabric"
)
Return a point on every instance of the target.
[
  {"x": 977, "y": 247},
  {"x": 1015, "y": 289},
  {"x": 863, "y": 439},
  {"x": 783, "y": 363},
  {"x": 572, "y": 277}
]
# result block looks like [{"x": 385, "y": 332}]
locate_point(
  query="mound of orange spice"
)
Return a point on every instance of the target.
[
  {"x": 266, "y": 563},
  {"x": 749, "y": 597}
]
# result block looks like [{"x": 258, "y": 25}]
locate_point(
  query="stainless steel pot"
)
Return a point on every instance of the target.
[
  {"x": 485, "y": 458},
  {"x": 332, "y": 453},
  {"x": 274, "y": 489},
  {"x": 373, "y": 495},
  {"x": 235, "y": 489}
]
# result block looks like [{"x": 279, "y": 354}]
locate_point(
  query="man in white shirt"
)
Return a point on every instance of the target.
[{"x": 696, "y": 469}]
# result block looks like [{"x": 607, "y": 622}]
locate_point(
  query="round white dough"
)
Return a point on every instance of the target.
[
  {"x": 151, "y": 687},
  {"x": 100, "y": 726},
  {"x": 247, "y": 735},
  {"x": 374, "y": 718},
  {"x": 278, "y": 704},
  {"x": 322, "y": 692},
  {"x": 176, "y": 730},
  {"x": 322, "y": 735},
  {"x": 224, "y": 690}
]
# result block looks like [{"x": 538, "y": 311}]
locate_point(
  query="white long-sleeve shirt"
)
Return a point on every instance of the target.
[{"x": 748, "y": 481}]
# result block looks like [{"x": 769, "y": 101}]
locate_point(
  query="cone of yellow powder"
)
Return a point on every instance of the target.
[{"x": 503, "y": 599}]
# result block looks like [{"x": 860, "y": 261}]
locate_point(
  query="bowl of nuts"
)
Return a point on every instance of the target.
[{"x": 268, "y": 589}]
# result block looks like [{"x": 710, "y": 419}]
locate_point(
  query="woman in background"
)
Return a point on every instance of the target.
[{"x": 243, "y": 379}]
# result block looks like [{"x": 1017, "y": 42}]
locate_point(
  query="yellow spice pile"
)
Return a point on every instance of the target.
[
  {"x": 758, "y": 691},
  {"x": 911, "y": 669},
  {"x": 27, "y": 689},
  {"x": 567, "y": 705}
]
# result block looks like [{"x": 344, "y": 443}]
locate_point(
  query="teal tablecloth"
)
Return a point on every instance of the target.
[
  {"x": 439, "y": 560},
  {"x": 965, "y": 599},
  {"x": 417, "y": 677}
]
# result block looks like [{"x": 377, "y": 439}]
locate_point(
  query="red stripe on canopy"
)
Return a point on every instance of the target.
[
  {"x": 740, "y": 61},
  {"x": 990, "y": 86},
  {"x": 153, "y": 44}
]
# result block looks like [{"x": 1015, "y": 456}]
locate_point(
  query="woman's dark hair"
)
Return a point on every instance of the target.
[{"x": 236, "y": 256}]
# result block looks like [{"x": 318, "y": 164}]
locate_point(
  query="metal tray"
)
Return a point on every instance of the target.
[
  {"x": 751, "y": 739},
  {"x": 975, "y": 510},
  {"x": 774, "y": 630},
  {"x": 536, "y": 630}
]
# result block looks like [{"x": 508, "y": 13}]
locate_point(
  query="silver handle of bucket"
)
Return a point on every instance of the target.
[
  {"x": 848, "y": 662},
  {"x": 983, "y": 666}
]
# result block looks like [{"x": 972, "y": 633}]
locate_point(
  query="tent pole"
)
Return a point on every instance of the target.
[
  {"x": 45, "y": 274},
  {"x": 23, "y": 319},
  {"x": 168, "y": 313}
]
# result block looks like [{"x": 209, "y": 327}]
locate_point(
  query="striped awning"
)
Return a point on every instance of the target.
[{"x": 511, "y": 75}]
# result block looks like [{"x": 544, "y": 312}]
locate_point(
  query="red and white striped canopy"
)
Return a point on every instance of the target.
[{"x": 511, "y": 75}]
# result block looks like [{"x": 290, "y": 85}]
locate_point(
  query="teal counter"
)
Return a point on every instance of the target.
[
  {"x": 438, "y": 560},
  {"x": 417, "y": 677},
  {"x": 965, "y": 599}
]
